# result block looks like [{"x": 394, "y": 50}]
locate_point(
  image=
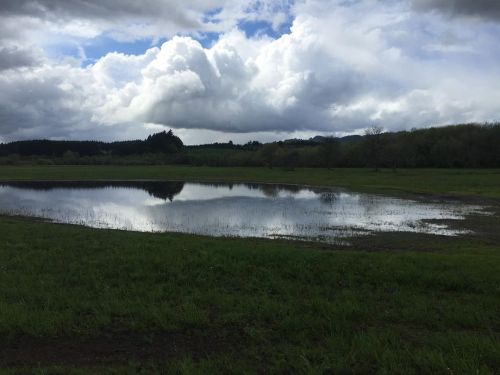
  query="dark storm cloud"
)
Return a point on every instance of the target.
[
  {"x": 15, "y": 57},
  {"x": 99, "y": 10},
  {"x": 486, "y": 9}
]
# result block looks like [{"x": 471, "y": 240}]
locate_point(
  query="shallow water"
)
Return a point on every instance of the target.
[{"x": 245, "y": 210}]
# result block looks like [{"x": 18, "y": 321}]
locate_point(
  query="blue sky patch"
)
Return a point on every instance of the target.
[
  {"x": 258, "y": 28},
  {"x": 98, "y": 47}
]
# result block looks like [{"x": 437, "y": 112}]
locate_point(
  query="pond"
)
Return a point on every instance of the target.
[{"x": 244, "y": 210}]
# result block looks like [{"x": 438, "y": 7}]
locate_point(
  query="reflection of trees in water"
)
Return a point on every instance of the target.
[
  {"x": 158, "y": 189},
  {"x": 371, "y": 204},
  {"x": 269, "y": 190},
  {"x": 164, "y": 190},
  {"x": 228, "y": 185},
  {"x": 169, "y": 189},
  {"x": 291, "y": 188},
  {"x": 328, "y": 197},
  {"x": 272, "y": 190},
  {"x": 251, "y": 186}
]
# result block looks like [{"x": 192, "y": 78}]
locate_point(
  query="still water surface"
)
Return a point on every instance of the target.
[{"x": 245, "y": 210}]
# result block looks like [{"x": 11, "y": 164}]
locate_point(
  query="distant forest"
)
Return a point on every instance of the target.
[
  {"x": 164, "y": 142},
  {"x": 457, "y": 146}
]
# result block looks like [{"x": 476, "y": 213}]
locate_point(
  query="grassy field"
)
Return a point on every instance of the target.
[{"x": 80, "y": 300}]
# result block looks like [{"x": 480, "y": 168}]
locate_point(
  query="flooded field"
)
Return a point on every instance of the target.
[{"x": 243, "y": 210}]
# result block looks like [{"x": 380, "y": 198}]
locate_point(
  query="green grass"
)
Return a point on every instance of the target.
[
  {"x": 80, "y": 300},
  {"x": 484, "y": 183},
  {"x": 253, "y": 304}
]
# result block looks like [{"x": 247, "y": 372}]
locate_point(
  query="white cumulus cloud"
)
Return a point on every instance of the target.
[{"x": 343, "y": 66}]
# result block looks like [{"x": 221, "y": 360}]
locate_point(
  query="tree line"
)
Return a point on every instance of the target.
[
  {"x": 163, "y": 142},
  {"x": 457, "y": 146}
]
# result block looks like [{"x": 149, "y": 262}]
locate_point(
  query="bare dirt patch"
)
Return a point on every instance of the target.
[{"x": 116, "y": 348}]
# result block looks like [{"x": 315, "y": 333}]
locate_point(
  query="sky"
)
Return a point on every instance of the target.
[{"x": 241, "y": 70}]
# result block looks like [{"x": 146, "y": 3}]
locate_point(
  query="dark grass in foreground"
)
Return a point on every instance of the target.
[
  {"x": 485, "y": 183},
  {"x": 102, "y": 301}
]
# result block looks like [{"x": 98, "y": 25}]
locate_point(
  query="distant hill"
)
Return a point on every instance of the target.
[{"x": 348, "y": 138}]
